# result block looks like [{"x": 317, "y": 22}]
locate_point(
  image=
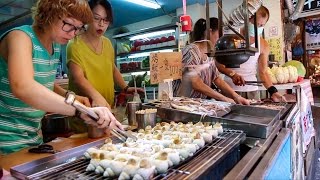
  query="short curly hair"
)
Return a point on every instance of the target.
[{"x": 45, "y": 12}]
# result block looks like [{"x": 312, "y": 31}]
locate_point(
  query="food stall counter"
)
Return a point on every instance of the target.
[{"x": 60, "y": 144}]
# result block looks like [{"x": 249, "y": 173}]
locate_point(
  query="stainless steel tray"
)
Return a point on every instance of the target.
[
  {"x": 283, "y": 111},
  {"x": 254, "y": 121},
  {"x": 166, "y": 109}
]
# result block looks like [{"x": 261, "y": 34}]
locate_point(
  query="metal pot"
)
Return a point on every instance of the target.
[
  {"x": 147, "y": 119},
  {"x": 55, "y": 124},
  {"x": 95, "y": 132},
  {"x": 227, "y": 51}
]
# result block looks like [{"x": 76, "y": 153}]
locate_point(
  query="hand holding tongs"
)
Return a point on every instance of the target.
[{"x": 70, "y": 99}]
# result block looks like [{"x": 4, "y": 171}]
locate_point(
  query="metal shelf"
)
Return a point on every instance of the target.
[
  {"x": 148, "y": 50},
  {"x": 146, "y": 30},
  {"x": 137, "y": 70},
  {"x": 123, "y": 57}
]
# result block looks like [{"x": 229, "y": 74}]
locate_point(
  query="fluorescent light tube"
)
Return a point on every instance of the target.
[
  {"x": 153, "y": 34},
  {"x": 139, "y": 55},
  {"x": 140, "y": 73},
  {"x": 146, "y": 3},
  {"x": 144, "y": 54}
]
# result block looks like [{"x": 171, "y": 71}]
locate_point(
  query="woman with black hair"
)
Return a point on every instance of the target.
[
  {"x": 90, "y": 59},
  {"x": 200, "y": 71}
]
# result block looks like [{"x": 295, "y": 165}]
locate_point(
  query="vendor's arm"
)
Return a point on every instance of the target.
[
  {"x": 236, "y": 78},
  {"x": 21, "y": 77},
  {"x": 62, "y": 92},
  {"x": 121, "y": 83},
  {"x": 24, "y": 87},
  {"x": 84, "y": 86},
  {"x": 200, "y": 86},
  {"x": 263, "y": 69},
  {"x": 228, "y": 91}
]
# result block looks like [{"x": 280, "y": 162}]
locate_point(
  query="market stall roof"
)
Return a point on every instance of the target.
[
  {"x": 125, "y": 12},
  {"x": 13, "y": 9},
  {"x": 128, "y": 13}
]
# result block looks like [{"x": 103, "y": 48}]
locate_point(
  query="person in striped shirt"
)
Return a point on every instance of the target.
[
  {"x": 200, "y": 71},
  {"x": 29, "y": 56}
]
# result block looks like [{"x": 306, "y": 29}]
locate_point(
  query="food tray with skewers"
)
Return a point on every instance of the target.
[
  {"x": 167, "y": 150},
  {"x": 154, "y": 152},
  {"x": 254, "y": 121},
  {"x": 192, "y": 105}
]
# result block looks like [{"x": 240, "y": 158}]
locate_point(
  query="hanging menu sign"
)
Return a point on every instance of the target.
[
  {"x": 165, "y": 65},
  {"x": 312, "y": 34}
]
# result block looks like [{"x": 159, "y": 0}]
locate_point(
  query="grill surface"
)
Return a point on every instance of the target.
[
  {"x": 208, "y": 157},
  {"x": 199, "y": 164}
]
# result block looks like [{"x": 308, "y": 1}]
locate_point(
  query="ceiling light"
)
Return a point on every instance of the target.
[
  {"x": 153, "y": 34},
  {"x": 140, "y": 73},
  {"x": 144, "y": 54},
  {"x": 139, "y": 55},
  {"x": 146, "y": 3}
]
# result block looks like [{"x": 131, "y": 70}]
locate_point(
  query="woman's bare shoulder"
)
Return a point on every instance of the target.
[
  {"x": 17, "y": 37},
  {"x": 12, "y": 40}
]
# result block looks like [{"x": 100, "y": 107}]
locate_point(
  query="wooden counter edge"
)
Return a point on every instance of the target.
[{"x": 60, "y": 144}]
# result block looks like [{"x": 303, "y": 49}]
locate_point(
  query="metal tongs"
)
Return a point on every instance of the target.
[
  {"x": 71, "y": 100},
  {"x": 254, "y": 83}
]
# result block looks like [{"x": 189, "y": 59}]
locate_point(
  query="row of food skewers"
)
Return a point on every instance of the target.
[{"x": 154, "y": 152}]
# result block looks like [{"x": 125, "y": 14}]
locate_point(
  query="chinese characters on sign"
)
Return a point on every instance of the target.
[
  {"x": 154, "y": 68},
  {"x": 166, "y": 65},
  {"x": 275, "y": 48},
  {"x": 312, "y": 35}
]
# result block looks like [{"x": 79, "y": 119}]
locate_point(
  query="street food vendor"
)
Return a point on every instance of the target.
[
  {"x": 29, "y": 56},
  {"x": 236, "y": 77},
  {"x": 200, "y": 71}
]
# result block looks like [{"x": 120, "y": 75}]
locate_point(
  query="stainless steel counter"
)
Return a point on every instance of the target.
[
  {"x": 254, "y": 121},
  {"x": 258, "y": 148}
]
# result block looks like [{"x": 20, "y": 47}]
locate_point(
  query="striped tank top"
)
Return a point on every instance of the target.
[{"x": 20, "y": 124}]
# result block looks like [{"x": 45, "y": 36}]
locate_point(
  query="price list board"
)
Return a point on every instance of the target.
[
  {"x": 165, "y": 65},
  {"x": 275, "y": 48}
]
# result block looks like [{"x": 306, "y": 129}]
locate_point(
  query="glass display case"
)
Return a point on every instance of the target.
[{"x": 133, "y": 48}]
